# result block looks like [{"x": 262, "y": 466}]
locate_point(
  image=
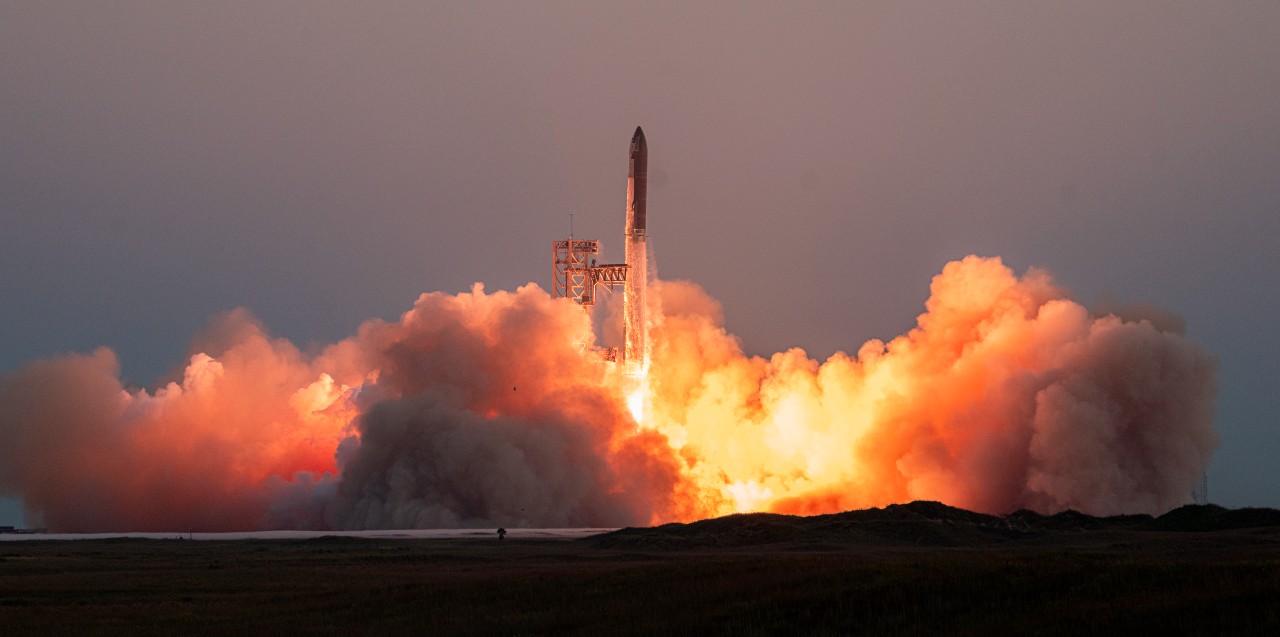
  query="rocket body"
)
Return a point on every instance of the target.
[
  {"x": 636, "y": 255},
  {"x": 637, "y": 184}
]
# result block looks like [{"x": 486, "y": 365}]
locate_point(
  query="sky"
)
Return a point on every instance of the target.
[{"x": 812, "y": 166}]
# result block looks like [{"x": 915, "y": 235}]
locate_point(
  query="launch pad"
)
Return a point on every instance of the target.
[
  {"x": 577, "y": 276},
  {"x": 576, "y": 273}
]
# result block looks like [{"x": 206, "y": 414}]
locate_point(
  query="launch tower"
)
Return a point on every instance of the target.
[{"x": 576, "y": 274}]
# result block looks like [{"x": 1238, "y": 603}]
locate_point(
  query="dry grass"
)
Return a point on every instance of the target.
[{"x": 1224, "y": 582}]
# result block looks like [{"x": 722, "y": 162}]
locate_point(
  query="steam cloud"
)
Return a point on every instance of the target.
[{"x": 485, "y": 409}]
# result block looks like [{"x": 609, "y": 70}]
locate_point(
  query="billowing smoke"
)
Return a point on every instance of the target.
[
  {"x": 485, "y": 409},
  {"x": 1006, "y": 395},
  {"x": 243, "y": 429},
  {"x": 491, "y": 409}
]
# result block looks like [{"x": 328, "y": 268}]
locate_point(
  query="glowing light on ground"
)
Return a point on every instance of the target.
[{"x": 635, "y": 403}]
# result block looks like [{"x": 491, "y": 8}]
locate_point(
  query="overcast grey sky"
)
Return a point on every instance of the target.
[{"x": 812, "y": 165}]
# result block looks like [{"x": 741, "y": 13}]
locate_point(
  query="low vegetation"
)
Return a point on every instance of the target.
[{"x": 940, "y": 570}]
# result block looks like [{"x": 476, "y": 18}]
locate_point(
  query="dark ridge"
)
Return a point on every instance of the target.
[
  {"x": 921, "y": 524},
  {"x": 931, "y": 510},
  {"x": 742, "y": 529},
  {"x": 1211, "y": 517}
]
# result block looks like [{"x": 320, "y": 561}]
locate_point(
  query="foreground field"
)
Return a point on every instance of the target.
[{"x": 1066, "y": 582}]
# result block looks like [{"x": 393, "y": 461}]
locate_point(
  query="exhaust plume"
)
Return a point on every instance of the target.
[
  {"x": 482, "y": 409},
  {"x": 1006, "y": 395}
]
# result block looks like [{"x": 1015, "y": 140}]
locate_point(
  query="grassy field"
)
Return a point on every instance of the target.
[{"x": 1225, "y": 582}]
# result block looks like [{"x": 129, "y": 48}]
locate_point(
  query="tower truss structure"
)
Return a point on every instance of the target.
[{"x": 577, "y": 275}]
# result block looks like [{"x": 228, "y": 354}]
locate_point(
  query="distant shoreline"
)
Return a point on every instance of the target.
[{"x": 410, "y": 534}]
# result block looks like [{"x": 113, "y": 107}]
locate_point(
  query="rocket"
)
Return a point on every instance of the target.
[
  {"x": 636, "y": 256},
  {"x": 637, "y": 183}
]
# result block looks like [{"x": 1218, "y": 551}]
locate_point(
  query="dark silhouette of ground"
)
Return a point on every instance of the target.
[
  {"x": 929, "y": 524},
  {"x": 915, "y": 569}
]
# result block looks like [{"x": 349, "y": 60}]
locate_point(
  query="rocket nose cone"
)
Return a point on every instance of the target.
[{"x": 637, "y": 140}]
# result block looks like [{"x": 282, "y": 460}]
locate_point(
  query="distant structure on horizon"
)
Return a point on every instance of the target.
[
  {"x": 577, "y": 275},
  {"x": 13, "y": 530},
  {"x": 1200, "y": 494}
]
